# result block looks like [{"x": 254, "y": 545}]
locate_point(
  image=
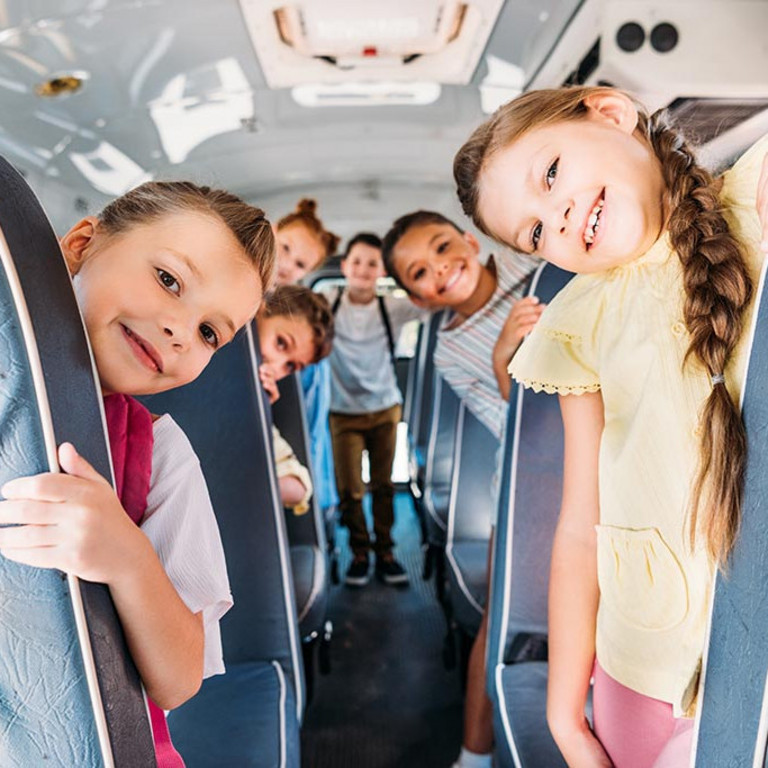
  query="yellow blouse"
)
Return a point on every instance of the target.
[{"x": 621, "y": 332}]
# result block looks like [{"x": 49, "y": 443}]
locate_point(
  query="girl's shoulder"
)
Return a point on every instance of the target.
[
  {"x": 171, "y": 450},
  {"x": 560, "y": 353},
  {"x": 576, "y": 309}
]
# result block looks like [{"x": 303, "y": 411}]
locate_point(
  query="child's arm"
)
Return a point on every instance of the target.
[
  {"x": 573, "y": 590},
  {"x": 293, "y": 477},
  {"x": 522, "y": 317},
  {"x": 74, "y": 522}
]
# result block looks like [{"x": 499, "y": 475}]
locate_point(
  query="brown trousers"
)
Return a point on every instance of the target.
[{"x": 375, "y": 432}]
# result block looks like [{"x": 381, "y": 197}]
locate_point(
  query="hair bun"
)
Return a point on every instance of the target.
[{"x": 306, "y": 206}]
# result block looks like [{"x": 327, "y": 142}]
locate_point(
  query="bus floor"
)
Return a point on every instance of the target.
[{"x": 388, "y": 702}]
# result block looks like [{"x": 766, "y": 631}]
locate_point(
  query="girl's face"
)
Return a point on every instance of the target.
[
  {"x": 362, "y": 267},
  {"x": 160, "y": 298},
  {"x": 585, "y": 195},
  {"x": 298, "y": 253},
  {"x": 438, "y": 265},
  {"x": 287, "y": 343}
]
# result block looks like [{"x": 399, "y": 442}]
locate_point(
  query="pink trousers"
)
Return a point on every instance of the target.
[{"x": 637, "y": 731}]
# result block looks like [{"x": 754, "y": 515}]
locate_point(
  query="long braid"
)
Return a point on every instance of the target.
[{"x": 717, "y": 291}]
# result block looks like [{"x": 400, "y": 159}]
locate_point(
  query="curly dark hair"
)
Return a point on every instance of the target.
[{"x": 300, "y": 301}]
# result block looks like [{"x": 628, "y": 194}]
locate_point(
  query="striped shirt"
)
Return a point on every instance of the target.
[{"x": 463, "y": 355}]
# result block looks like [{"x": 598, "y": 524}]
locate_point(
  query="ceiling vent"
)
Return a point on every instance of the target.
[
  {"x": 674, "y": 53},
  {"x": 342, "y": 41}
]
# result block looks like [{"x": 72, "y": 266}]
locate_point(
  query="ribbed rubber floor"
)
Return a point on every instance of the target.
[{"x": 388, "y": 701}]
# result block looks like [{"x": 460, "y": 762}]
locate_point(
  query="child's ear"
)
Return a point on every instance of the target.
[
  {"x": 474, "y": 244},
  {"x": 613, "y": 107},
  {"x": 75, "y": 243}
]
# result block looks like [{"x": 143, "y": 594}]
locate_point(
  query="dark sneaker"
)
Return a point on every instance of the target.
[
  {"x": 357, "y": 574},
  {"x": 391, "y": 572}
]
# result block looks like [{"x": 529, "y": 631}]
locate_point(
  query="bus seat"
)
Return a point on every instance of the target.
[
  {"x": 409, "y": 402},
  {"x": 69, "y": 692},
  {"x": 469, "y": 520},
  {"x": 733, "y": 716},
  {"x": 421, "y": 411},
  {"x": 437, "y": 479},
  {"x": 438, "y": 468},
  {"x": 529, "y": 506},
  {"x": 306, "y": 533},
  {"x": 250, "y": 716},
  {"x": 68, "y": 688}
]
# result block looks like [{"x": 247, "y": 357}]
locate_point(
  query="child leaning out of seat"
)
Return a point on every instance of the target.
[
  {"x": 164, "y": 277},
  {"x": 647, "y": 348},
  {"x": 303, "y": 245},
  {"x": 438, "y": 264},
  {"x": 295, "y": 329}
]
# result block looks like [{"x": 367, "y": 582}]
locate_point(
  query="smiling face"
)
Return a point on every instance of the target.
[
  {"x": 586, "y": 195},
  {"x": 362, "y": 267},
  {"x": 160, "y": 298},
  {"x": 438, "y": 265},
  {"x": 287, "y": 343},
  {"x": 298, "y": 253}
]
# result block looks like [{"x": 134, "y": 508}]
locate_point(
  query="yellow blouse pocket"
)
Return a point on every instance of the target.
[{"x": 640, "y": 577}]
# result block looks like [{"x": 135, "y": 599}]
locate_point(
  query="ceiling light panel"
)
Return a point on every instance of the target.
[{"x": 343, "y": 41}]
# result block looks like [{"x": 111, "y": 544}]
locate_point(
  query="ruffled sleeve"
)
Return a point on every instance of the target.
[{"x": 560, "y": 355}]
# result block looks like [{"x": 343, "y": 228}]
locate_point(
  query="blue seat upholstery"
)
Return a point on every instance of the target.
[
  {"x": 68, "y": 696},
  {"x": 226, "y": 416},
  {"x": 239, "y": 708},
  {"x": 412, "y": 394},
  {"x": 734, "y": 710},
  {"x": 469, "y": 519},
  {"x": 438, "y": 469},
  {"x": 529, "y": 506},
  {"x": 305, "y": 532},
  {"x": 420, "y": 412}
]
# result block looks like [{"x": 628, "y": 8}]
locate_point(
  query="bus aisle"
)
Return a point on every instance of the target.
[{"x": 388, "y": 701}]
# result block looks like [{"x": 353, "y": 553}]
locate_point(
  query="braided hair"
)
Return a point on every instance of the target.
[{"x": 717, "y": 284}]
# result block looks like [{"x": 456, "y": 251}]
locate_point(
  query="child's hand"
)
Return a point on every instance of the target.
[
  {"x": 586, "y": 752},
  {"x": 522, "y": 317},
  {"x": 73, "y": 522},
  {"x": 762, "y": 203},
  {"x": 269, "y": 382},
  {"x": 292, "y": 491},
  {"x": 581, "y": 749}
]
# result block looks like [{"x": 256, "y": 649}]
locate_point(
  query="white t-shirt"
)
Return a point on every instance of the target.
[
  {"x": 182, "y": 528},
  {"x": 362, "y": 376}
]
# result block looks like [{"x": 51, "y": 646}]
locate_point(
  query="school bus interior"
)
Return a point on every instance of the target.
[{"x": 361, "y": 106}]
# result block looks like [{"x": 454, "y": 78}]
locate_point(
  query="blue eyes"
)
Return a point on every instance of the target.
[
  {"x": 549, "y": 180},
  {"x": 551, "y": 173},
  {"x": 171, "y": 284}
]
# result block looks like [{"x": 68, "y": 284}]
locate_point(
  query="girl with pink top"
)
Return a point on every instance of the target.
[{"x": 164, "y": 277}]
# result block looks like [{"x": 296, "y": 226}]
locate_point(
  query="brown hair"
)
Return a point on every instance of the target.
[
  {"x": 155, "y": 199},
  {"x": 397, "y": 232},
  {"x": 715, "y": 277},
  {"x": 305, "y": 216},
  {"x": 300, "y": 301}
]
